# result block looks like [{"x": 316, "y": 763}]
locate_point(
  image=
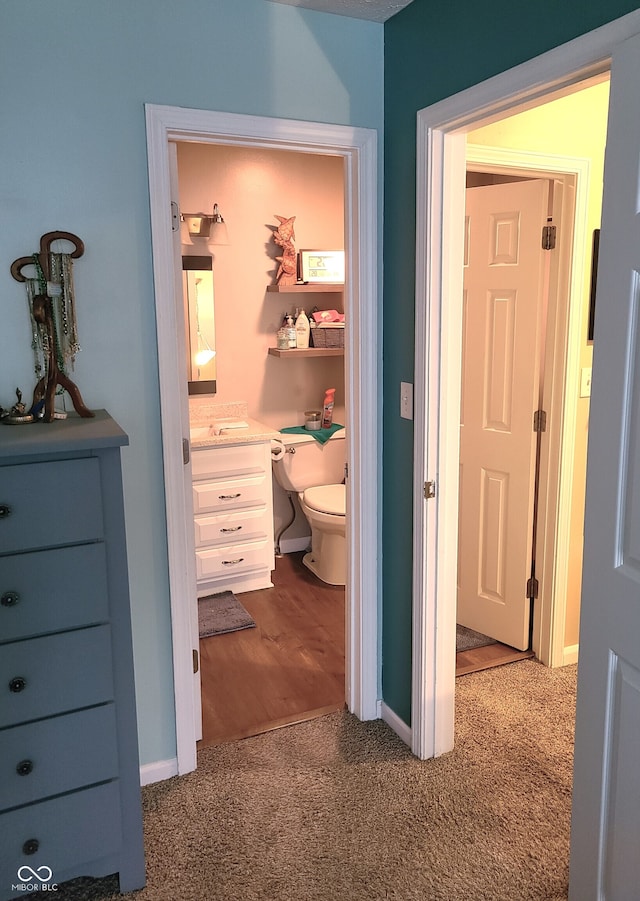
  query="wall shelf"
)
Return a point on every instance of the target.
[
  {"x": 307, "y": 352},
  {"x": 305, "y": 289}
]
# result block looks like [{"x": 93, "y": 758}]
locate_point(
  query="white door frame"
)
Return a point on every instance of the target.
[
  {"x": 440, "y": 186},
  {"x": 564, "y": 338},
  {"x": 358, "y": 149}
]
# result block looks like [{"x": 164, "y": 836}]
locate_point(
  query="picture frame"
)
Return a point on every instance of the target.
[
  {"x": 594, "y": 280},
  {"x": 321, "y": 266}
]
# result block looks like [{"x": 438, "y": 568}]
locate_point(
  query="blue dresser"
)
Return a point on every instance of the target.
[{"x": 69, "y": 772}]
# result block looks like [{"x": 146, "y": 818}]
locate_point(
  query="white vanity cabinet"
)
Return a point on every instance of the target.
[{"x": 233, "y": 514}]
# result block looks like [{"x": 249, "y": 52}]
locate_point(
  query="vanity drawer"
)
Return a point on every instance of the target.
[
  {"x": 232, "y": 528},
  {"x": 228, "y": 460},
  {"x": 59, "y": 755},
  {"x": 229, "y": 493},
  {"x": 226, "y": 561},
  {"x": 52, "y": 591},
  {"x": 49, "y": 504},
  {"x": 63, "y": 832},
  {"x": 41, "y": 677}
]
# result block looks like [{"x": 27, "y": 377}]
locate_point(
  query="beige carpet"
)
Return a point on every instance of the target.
[{"x": 337, "y": 810}]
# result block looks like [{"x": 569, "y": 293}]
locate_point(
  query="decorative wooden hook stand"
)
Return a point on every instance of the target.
[{"x": 45, "y": 390}]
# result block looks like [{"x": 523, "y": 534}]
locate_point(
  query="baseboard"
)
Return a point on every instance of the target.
[
  {"x": 570, "y": 654},
  {"x": 291, "y": 545},
  {"x": 394, "y": 722},
  {"x": 158, "y": 771}
]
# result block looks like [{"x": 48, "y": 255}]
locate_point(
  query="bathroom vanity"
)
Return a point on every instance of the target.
[
  {"x": 70, "y": 784},
  {"x": 233, "y": 508}
]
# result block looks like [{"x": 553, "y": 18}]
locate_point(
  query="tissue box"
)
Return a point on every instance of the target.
[{"x": 328, "y": 335}]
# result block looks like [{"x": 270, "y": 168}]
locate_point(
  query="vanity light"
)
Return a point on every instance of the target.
[{"x": 213, "y": 228}]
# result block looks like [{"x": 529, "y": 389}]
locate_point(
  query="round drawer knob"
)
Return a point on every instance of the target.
[
  {"x": 18, "y": 683},
  {"x": 5, "y": 510},
  {"x": 10, "y": 599},
  {"x": 30, "y": 846},
  {"x": 24, "y": 767}
]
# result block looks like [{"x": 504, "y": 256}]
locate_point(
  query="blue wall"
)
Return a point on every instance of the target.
[
  {"x": 432, "y": 52},
  {"x": 74, "y": 78}
]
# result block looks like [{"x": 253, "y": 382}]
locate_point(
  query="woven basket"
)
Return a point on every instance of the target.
[{"x": 327, "y": 337}]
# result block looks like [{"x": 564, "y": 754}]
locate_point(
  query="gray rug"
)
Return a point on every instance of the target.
[
  {"x": 466, "y": 639},
  {"x": 221, "y": 613}
]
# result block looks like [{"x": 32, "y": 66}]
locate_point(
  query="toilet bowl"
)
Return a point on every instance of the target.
[{"x": 314, "y": 471}]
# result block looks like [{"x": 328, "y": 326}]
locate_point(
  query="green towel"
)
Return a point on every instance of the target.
[{"x": 321, "y": 435}]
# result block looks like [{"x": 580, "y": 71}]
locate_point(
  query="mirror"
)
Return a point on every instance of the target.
[{"x": 197, "y": 284}]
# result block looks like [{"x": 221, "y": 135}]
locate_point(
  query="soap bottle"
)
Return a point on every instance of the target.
[
  {"x": 302, "y": 330},
  {"x": 327, "y": 407},
  {"x": 282, "y": 335},
  {"x": 291, "y": 332}
]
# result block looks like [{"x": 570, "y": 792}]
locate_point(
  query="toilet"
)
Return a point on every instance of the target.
[{"x": 315, "y": 472}]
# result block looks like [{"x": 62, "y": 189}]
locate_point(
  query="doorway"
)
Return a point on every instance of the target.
[{"x": 357, "y": 146}]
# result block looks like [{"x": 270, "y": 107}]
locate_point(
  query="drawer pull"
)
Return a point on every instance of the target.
[
  {"x": 30, "y": 846},
  {"x": 232, "y": 562},
  {"x": 10, "y": 599},
  {"x": 5, "y": 510},
  {"x": 24, "y": 767},
  {"x": 229, "y": 497},
  {"x": 231, "y": 529},
  {"x": 18, "y": 683}
]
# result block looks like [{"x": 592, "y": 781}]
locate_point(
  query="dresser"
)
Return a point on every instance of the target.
[
  {"x": 69, "y": 772},
  {"x": 233, "y": 511}
]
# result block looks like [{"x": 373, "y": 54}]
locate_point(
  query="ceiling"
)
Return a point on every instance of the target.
[{"x": 373, "y": 10}]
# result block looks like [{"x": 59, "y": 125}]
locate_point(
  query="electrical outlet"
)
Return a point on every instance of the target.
[
  {"x": 406, "y": 400},
  {"x": 585, "y": 381}
]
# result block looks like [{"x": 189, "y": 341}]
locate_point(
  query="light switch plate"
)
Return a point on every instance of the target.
[
  {"x": 585, "y": 381},
  {"x": 406, "y": 400}
]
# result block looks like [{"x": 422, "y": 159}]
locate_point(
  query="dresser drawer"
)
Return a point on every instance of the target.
[
  {"x": 49, "y": 504},
  {"x": 52, "y": 591},
  {"x": 224, "y": 461},
  {"x": 41, "y": 677},
  {"x": 226, "y": 561},
  {"x": 55, "y": 756},
  {"x": 230, "y": 528},
  {"x": 229, "y": 493},
  {"x": 65, "y": 832}
]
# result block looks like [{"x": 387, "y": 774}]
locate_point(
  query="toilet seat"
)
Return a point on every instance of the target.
[{"x": 331, "y": 499}]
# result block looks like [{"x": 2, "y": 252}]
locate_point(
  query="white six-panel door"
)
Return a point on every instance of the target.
[
  {"x": 502, "y": 333},
  {"x": 605, "y": 840}
]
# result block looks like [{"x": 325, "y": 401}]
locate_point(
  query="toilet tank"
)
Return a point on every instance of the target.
[{"x": 307, "y": 463}]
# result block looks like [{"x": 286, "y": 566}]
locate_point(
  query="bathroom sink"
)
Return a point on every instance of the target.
[{"x": 201, "y": 432}]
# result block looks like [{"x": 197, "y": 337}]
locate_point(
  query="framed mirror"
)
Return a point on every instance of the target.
[{"x": 197, "y": 284}]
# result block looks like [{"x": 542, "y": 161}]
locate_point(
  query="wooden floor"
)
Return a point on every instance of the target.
[
  {"x": 288, "y": 669},
  {"x": 497, "y": 654}
]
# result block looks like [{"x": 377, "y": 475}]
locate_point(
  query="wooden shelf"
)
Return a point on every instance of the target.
[
  {"x": 307, "y": 352},
  {"x": 305, "y": 289}
]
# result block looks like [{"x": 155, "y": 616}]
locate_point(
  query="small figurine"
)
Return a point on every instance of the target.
[
  {"x": 18, "y": 414},
  {"x": 284, "y": 237}
]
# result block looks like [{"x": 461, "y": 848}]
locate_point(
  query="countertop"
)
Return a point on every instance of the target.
[{"x": 256, "y": 432}]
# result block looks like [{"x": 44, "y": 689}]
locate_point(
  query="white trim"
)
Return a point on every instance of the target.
[
  {"x": 358, "y": 148},
  {"x": 440, "y": 188},
  {"x": 394, "y": 722},
  {"x": 158, "y": 771},
  {"x": 570, "y": 654}
]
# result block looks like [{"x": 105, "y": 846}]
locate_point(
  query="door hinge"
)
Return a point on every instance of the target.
[
  {"x": 549, "y": 237},
  {"x": 346, "y": 471},
  {"x": 185, "y": 451},
  {"x": 540, "y": 421},
  {"x": 175, "y": 217},
  {"x": 196, "y": 660},
  {"x": 429, "y": 490},
  {"x": 532, "y": 587}
]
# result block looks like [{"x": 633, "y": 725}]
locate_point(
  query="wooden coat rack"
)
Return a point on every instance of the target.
[{"x": 45, "y": 390}]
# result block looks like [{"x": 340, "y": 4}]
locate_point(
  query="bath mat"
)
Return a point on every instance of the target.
[
  {"x": 220, "y": 613},
  {"x": 466, "y": 639}
]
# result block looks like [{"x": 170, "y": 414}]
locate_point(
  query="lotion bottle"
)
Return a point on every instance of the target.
[
  {"x": 327, "y": 407},
  {"x": 302, "y": 330}
]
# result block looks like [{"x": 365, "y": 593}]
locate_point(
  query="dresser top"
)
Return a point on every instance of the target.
[{"x": 61, "y": 435}]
